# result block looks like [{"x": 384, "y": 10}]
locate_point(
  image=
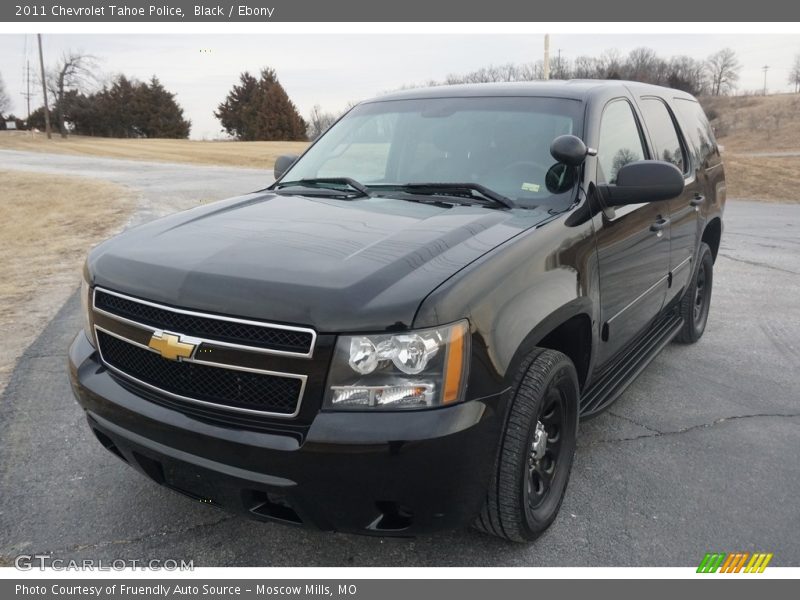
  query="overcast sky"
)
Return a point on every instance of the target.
[{"x": 332, "y": 70}]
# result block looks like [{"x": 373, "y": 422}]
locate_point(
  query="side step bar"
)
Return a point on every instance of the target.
[{"x": 610, "y": 385}]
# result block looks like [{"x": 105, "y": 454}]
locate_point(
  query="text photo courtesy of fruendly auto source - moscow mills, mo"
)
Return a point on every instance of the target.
[{"x": 464, "y": 310}]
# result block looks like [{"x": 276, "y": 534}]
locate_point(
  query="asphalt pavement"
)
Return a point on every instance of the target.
[{"x": 700, "y": 454}]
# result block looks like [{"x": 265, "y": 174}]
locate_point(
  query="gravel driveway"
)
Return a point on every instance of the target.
[
  {"x": 161, "y": 187},
  {"x": 700, "y": 454}
]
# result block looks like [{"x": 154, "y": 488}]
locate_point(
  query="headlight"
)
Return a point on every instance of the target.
[
  {"x": 415, "y": 369},
  {"x": 86, "y": 303}
]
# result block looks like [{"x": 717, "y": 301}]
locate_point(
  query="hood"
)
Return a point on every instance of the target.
[{"x": 335, "y": 265}]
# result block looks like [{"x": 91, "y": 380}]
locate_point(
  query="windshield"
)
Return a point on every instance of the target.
[{"x": 501, "y": 143}]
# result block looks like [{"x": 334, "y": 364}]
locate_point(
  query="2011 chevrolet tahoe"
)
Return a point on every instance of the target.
[{"x": 401, "y": 333}]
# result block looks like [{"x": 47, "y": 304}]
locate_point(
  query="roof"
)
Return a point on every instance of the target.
[{"x": 576, "y": 89}]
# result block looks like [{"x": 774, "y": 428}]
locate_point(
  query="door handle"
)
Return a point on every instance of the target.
[
  {"x": 697, "y": 200},
  {"x": 659, "y": 225}
]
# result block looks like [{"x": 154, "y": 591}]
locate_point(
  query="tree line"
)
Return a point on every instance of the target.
[
  {"x": 258, "y": 107},
  {"x": 716, "y": 75},
  {"x": 122, "y": 107},
  {"x": 125, "y": 108}
]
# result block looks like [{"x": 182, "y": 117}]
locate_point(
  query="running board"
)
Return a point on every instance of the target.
[{"x": 610, "y": 385}]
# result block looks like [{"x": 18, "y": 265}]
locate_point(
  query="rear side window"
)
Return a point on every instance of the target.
[
  {"x": 620, "y": 142},
  {"x": 697, "y": 129},
  {"x": 663, "y": 133}
]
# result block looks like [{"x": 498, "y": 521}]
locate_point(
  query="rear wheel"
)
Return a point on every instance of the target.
[
  {"x": 537, "y": 449},
  {"x": 696, "y": 300}
]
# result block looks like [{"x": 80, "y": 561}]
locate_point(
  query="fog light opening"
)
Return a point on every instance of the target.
[
  {"x": 108, "y": 444},
  {"x": 393, "y": 517},
  {"x": 273, "y": 506}
]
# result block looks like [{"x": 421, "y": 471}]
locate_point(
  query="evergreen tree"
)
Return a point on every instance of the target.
[
  {"x": 125, "y": 109},
  {"x": 260, "y": 109}
]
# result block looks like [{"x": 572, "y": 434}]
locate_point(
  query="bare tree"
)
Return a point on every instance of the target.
[
  {"x": 319, "y": 121},
  {"x": 687, "y": 74},
  {"x": 723, "y": 70},
  {"x": 609, "y": 65},
  {"x": 794, "y": 74},
  {"x": 532, "y": 71},
  {"x": 74, "y": 71},
  {"x": 585, "y": 67},
  {"x": 5, "y": 101},
  {"x": 559, "y": 67},
  {"x": 641, "y": 65}
]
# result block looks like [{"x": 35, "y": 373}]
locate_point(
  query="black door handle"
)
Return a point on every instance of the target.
[
  {"x": 697, "y": 200},
  {"x": 659, "y": 225}
]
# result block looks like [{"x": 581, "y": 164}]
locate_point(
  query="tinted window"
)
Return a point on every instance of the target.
[
  {"x": 620, "y": 142},
  {"x": 502, "y": 143},
  {"x": 662, "y": 131},
  {"x": 697, "y": 129}
]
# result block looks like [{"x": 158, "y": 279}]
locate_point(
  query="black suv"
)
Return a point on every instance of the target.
[{"x": 400, "y": 334}]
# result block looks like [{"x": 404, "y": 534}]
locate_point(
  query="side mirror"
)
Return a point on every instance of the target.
[
  {"x": 570, "y": 150},
  {"x": 282, "y": 164},
  {"x": 643, "y": 181}
]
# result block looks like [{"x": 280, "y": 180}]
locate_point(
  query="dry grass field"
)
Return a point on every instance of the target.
[
  {"x": 748, "y": 125},
  {"x": 47, "y": 224},
  {"x": 257, "y": 155},
  {"x": 772, "y": 179}
]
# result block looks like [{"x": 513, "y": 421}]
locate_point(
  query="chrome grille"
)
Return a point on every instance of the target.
[
  {"x": 217, "y": 373},
  {"x": 280, "y": 339},
  {"x": 220, "y": 386}
]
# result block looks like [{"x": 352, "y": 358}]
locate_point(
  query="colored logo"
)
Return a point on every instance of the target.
[
  {"x": 172, "y": 347},
  {"x": 734, "y": 562}
]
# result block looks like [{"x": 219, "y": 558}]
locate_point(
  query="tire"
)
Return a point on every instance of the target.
[
  {"x": 696, "y": 301},
  {"x": 515, "y": 508}
]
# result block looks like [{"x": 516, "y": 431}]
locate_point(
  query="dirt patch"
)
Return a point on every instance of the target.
[
  {"x": 47, "y": 225},
  {"x": 259, "y": 155}
]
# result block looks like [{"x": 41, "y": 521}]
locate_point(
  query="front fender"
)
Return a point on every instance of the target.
[{"x": 518, "y": 293}]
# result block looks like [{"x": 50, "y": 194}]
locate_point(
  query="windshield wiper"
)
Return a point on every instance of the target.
[
  {"x": 464, "y": 190},
  {"x": 327, "y": 183}
]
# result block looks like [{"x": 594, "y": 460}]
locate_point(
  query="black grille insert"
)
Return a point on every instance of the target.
[
  {"x": 259, "y": 336},
  {"x": 225, "y": 387}
]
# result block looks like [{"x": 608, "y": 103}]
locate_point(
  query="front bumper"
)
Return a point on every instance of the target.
[{"x": 388, "y": 473}]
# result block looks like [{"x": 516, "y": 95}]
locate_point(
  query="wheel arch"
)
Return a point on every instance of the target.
[
  {"x": 569, "y": 330},
  {"x": 712, "y": 235}
]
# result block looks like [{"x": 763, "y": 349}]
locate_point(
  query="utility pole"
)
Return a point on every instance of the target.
[
  {"x": 44, "y": 90},
  {"x": 765, "y": 68},
  {"x": 546, "y": 62},
  {"x": 27, "y": 94},
  {"x": 558, "y": 66}
]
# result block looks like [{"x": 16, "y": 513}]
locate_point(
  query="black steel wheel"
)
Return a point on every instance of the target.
[
  {"x": 696, "y": 301},
  {"x": 545, "y": 449},
  {"x": 537, "y": 449}
]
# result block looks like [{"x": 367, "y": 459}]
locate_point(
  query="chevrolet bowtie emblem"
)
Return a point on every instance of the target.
[{"x": 172, "y": 347}]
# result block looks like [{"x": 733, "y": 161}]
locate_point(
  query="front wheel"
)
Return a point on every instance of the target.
[
  {"x": 696, "y": 300},
  {"x": 537, "y": 449}
]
